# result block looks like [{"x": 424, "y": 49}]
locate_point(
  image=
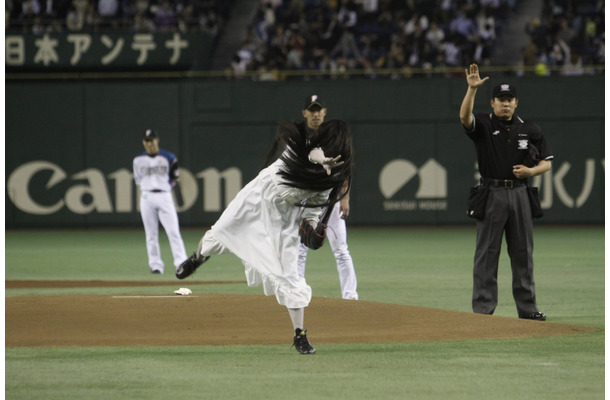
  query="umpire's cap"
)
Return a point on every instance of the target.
[
  {"x": 313, "y": 100},
  {"x": 150, "y": 134},
  {"x": 504, "y": 89}
]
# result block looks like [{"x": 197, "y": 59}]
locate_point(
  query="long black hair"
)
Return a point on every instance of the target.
[{"x": 334, "y": 138}]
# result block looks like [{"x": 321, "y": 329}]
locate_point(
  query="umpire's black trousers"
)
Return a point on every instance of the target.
[{"x": 507, "y": 211}]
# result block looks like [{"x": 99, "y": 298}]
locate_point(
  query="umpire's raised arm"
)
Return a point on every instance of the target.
[{"x": 474, "y": 82}]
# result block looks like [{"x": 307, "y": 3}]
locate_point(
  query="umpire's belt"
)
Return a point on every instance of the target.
[{"x": 505, "y": 183}]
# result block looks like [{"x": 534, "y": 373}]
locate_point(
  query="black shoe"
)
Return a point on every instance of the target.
[
  {"x": 536, "y": 316},
  {"x": 301, "y": 343},
  {"x": 190, "y": 265},
  {"x": 155, "y": 271}
]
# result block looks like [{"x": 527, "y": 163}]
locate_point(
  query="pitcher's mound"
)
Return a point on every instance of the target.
[{"x": 226, "y": 319}]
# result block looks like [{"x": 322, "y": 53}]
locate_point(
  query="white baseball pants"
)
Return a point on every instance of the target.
[{"x": 159, "y": 207}]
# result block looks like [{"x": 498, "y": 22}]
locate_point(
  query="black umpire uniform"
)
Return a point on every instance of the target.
[{"x": 500, "y": 145}]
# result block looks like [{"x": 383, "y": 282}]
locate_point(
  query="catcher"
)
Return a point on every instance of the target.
[{"x": 261, "y": 225}]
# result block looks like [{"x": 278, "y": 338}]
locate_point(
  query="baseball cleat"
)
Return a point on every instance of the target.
[
  {"x": 190, "y": 265},
  {"x": 536, "y": 316},
  {"x": 301, "y": 343}
]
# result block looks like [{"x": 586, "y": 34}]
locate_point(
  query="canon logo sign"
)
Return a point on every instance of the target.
[{"x": 89, "y": 190}]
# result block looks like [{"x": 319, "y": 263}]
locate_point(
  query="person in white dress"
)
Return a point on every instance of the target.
[{"x": 261, "y": 225}]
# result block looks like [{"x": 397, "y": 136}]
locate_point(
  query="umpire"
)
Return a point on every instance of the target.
[{"x": 503, "y": 141}]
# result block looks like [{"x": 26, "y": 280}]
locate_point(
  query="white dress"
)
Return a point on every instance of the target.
[{"x": 261, "y": 226}]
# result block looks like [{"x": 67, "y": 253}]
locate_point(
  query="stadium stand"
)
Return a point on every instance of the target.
[
  {"x": 285, "y": 39},
  {"x": 404, "y": 36},
  {"x": 40, "y": 16}
]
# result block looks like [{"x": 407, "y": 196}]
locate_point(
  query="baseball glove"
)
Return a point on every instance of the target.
[
  {"x": 190, "y": 265},
  {"x": 310, "y": 237}
]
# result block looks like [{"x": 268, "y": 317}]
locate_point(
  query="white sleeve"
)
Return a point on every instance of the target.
[
  {"x": 136, "y": 175},
  {"x": 313, "y": 213}
]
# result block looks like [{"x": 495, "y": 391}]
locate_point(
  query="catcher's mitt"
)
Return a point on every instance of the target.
[{"x": 310, "y": 237}]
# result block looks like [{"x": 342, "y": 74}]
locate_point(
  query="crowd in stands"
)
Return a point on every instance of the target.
[
  {"x": 337, "y": 36},
  {"x": 369, "y": 35},
  {"x": 140, "y": 16},
  {"x": 568, "y": 35}
]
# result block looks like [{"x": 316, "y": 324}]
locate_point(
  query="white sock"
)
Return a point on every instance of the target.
[{"x": 297, "y": 315}]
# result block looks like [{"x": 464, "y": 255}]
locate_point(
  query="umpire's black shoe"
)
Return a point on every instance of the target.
[
  {"x": 536, "y": 316},
  {"x": 301, "y": 343},
  {"x": 190, "y": 265}
]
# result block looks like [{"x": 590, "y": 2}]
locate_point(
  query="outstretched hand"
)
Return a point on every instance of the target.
[
  {"x": 330, "y": 163},
  {"x": 317, "y": 156},
  {"x": 473, "y": 78}
]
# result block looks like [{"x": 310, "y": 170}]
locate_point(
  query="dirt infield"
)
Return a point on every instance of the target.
[{"x": 227, "y": 319}]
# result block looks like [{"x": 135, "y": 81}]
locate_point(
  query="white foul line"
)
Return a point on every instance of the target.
[{"x": 150, "y": 297}]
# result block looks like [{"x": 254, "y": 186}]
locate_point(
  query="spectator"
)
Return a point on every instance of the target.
[
  {"x": 346, "y": 47},
  {"x": 278, "y": 46},
  {"x": 143, "y": 24},
  {"x": 486, "y": 38},
  {"x": 264, "y": 21},
  {"x": 244, "y": 54},
  {"x": 186, "y": 19},
  {"x": 93, "y": 20},
  {"x": 75, "y": 19},
  {"x": 108, "y": 9},
  {"x": 416, "y": 21},
  {"x": 559, "y": 52},
  {"x": 348, "y": 14},
  {"x": 464, "y": 27},
  {"x": 573, "y": 67},
  {"x": 37, "y": 26},
  {"x": 486, "y": 25},
  {"x": 536, "y": 31},
  {"x": 239, "y": 67},
  {"x": 30, "y": 9},
  {"x": 143, "y": 7},
  {"x": 128, "y": 9},
  {"x": 53, "y": 10},
  {"x": 370, "y": 11},
  {"x": 396, "y": 57},
  {"x": 332, "y": 33},
  {"x": 296, "y": 52},
  {"x": 165, "y": 17},
  {"x": 210, "y": 22},
  {"x": 590, "y": 31},
  {"x": 565, "y": 31},
  {"x": 446, "y": 10},
  {"x": 452, "y": 53},
  {"x": 435, "y": 35},
  {"x": 530, "y": 54}
]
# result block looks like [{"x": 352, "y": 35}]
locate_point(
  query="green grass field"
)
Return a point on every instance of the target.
[{"x": 414, "y": 266}]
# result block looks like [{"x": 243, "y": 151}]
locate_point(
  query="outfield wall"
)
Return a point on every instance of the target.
[{"x": 70, "y": 145}]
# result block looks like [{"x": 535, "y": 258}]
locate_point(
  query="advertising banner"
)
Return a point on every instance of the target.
[
  {"x": 71, "y": 52},
  {"x": 70, "y": 164}
]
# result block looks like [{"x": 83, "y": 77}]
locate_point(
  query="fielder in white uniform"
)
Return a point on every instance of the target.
[
  {"x": 314, "y": 113},
  {"x": 156, "y": 171}
]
